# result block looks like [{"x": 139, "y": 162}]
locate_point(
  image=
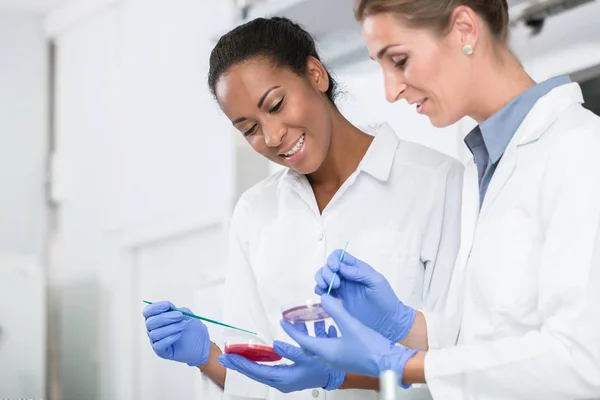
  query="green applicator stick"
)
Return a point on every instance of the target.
[{"x": 206, "y": 319}]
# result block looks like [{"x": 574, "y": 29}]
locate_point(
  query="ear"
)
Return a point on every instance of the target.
[
  {"x": 317, "y": 74},
  {"x": 464, "y": 24}
]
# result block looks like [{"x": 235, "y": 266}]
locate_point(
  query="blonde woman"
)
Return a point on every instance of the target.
[{"x": 521, "y": 320}]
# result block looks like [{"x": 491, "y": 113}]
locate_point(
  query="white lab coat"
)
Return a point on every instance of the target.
[
  {"x": 399, "y": 210},
  {"x": 522, "y": 320}
]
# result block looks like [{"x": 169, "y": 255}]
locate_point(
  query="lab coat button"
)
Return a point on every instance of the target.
[
  {"x": 315, "y": 393},
  {"x": 320, "y": 236}
]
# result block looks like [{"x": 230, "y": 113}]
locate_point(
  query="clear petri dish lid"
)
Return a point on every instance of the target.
[
  {"x": 252, "y": 349},
  {"x": 308, "y": 310}
]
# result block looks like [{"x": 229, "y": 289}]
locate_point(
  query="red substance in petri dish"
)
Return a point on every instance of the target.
[{"x": 253, "y": 352}]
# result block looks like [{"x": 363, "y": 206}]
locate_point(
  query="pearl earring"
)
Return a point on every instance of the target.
[{"x": 467, "y": 49}]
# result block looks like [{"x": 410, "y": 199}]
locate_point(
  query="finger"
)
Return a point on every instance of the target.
[
  {"x": 320, "y": 329},
  {"x": 316, "y": 346},
  {"x": 319, "y": 278},
  {"x": 185, "y": 309},
  {"x": 329, "y": 276},
  {"x": 301, "y": 326},
  {"x": 257, "y": 372},
  {"x": 361, "y": 273},
  {"x": 332, "y": 332},
  {"x": 162, "y": 345},
  {"x": 157, "y": 308},
  {"x": 164, "y": 319},
  {"x": 320, "y": 291},
  {"x": 289, "y": 352},
  {"x": 333, "y": 261},
  {"x": 169, "y": 330}
]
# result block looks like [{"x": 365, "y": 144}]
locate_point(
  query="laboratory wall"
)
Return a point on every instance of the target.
[
  {"x": 23, "y": 134},
  {"x": 23, "y": 148},
  {"x": 145, "y": 184}
]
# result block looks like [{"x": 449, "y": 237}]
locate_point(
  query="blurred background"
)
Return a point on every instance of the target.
[{"x": 118, "y": 172}]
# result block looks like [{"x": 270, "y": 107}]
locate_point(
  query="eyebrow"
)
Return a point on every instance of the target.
[
  {"x": 264, "y": 96},
  {"x": 382, "y": 52},
  {"x": 259, "y": 105}
]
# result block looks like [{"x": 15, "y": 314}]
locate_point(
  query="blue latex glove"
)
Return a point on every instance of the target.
[
  {"x": 360, "y": 349},
  {"x": 307, "y": 372},
  {"x": 175, "y": 336},
  {"x": 366, "y": 294}
]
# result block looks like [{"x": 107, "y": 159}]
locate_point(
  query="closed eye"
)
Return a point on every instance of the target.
[
  {"x": 250, "y": 131},
  {"x": 401, "y": 63},
  {"x": 277, "y": 106}
]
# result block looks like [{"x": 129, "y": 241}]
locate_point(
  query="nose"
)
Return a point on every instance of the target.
[
  {"x": 274, "y": 134},
  {"x": 395, "y": 86}
]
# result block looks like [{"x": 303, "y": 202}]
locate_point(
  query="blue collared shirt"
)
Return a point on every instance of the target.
[{"x": 489, "y": 140}]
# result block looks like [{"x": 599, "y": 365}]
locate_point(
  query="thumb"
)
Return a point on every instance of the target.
[
  {"x": 336, "y": 311},
  {"x": 288, "y": 351},
  {"x": 317, "y": 346}
]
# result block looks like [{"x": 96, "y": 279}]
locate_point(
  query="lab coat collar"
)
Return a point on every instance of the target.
[
  {"x": 379, "y": 159},
  {"x": 546, "y": 111},
  {"x": 543, "y": 114}
]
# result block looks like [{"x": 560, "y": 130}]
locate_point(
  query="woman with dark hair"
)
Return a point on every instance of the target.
[{"x": 398, "y": 203}]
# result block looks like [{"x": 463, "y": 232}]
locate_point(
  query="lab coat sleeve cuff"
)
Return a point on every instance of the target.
[
  {"x": 433, "y": 327},
  {"x": 443, "y": 374},
  {"x": 241, "y": 386}
]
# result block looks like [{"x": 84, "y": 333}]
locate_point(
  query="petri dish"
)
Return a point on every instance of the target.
[
  {"x": 252, "y": 350},
  {"x": 309, "y": 310}
]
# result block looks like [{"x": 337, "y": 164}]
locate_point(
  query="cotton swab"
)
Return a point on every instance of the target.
[{"x": 335, "y": 273}]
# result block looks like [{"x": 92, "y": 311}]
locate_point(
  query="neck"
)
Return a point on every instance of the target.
[
  {"x": 347, "y": 148},
  {"x": 503, "y": 79}
]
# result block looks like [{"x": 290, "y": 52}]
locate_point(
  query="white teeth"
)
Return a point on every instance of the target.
[{"x": 295, "y": 149}]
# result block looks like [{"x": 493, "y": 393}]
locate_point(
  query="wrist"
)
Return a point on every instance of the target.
[
  {"x": 414, "y": 370},
  {"x": 401, "y": 324},
  {"x": 397, "y": 360},
  {"x": 203, "y": 349},
  {"x": 336, "y": 379}
]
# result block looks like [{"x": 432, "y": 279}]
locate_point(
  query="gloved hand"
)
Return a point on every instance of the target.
[
  {"x": 360, "y": 349},
  {"x": 366, "y": 294},
  {"x": 307, "y": 372},
  {"x": 175, "y": 336}
]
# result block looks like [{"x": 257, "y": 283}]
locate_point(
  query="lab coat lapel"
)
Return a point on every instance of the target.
[
  {"x": 503, "y": 172},
  {"x": 545, "y": 112},
  {"x": 469, "y": 218},
  {"x": 470, "y": 210}
]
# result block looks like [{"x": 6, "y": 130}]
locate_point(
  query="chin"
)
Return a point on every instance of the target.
[
  {"x": 303, "y": 169},
  {"x": 307, "y": 167},
  {"x": 442, "y": 121}
]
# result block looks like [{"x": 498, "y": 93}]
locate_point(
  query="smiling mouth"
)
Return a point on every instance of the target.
[
  {"x": 420, "y": 104},
  {"x": 296, "y": 148}
]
